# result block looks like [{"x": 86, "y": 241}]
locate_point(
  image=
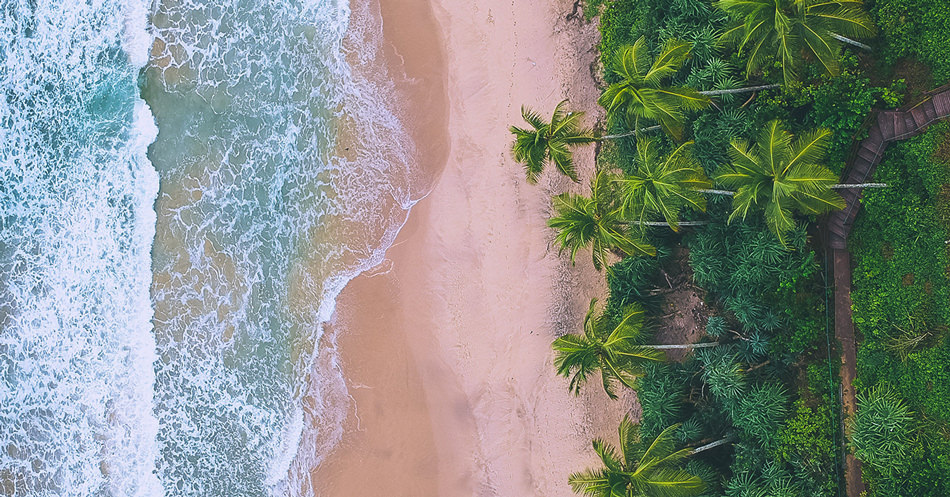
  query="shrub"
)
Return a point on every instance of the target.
[
  {"x": 881, "y": 429},
  {"x": 919, "y": 28}
]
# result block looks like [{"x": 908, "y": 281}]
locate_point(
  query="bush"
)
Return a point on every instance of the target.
[
  {"x": 840, "y": 104},
  {"x": 621, "y": 23},
  {"x": 767, "y": 287},
  {"x": 919, "y": 28},
  {"x": 881, "y": 430},
  {"x": 901, "y": 292},
  {"x": 806, "y": 441}
]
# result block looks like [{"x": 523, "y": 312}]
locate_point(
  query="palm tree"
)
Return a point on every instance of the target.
[
  {"x": 548, "y": 142},
  {"x": 596, "y": 222},
  {"x": 641, "y": 93},
  {"x": 613, "y": 346},
  {"x": 783, "y": 29},
  {"x": 639, "y": 468},
  {"x": 552, "y": 142},
  {"x": 780, "y": 175},
  {"x": 662, "y": 186}
]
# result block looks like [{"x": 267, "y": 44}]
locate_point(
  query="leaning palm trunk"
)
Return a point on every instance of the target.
[
  {"x": 851, "y": 42},
  {"x": 662, "y": 223},
  {"x": 839, "y": 186},
  {"x": 858, "y": 185},
  {"x": 713, "y": 93},
  {"x": 630, "y": 133},
  {"x": 717, "y": 192},
  {"x": 682, "y": 346},
  {"x": 708, "y": 446}
]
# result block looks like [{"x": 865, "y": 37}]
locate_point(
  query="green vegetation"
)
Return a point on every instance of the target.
[
  {"x": 641, "y": 90},
  {"x": 779, "y": 176},
  {"x": 548, "y": 142},
  {"x": 901, "y": 294},
  {"x": 611, "y": 345},
  {"x": 596, "y": 222},
  {"x": 881, "y": 431},
  {"x": 756, "y": 397},
  {"x": 777, "y": 32},
  {"x": 640, "y": 467},
  {"x": 915, "y": 28},
  {"x": 662, "y": 186}
]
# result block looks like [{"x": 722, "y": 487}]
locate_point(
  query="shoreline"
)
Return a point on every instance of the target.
[{"x": 453, "y": 390}]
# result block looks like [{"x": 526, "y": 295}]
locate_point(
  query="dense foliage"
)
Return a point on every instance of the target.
[
  {"x": 915, "y": 28},
  {"x": 756, "y": 408},
  {"x": 901, "y": 294}
]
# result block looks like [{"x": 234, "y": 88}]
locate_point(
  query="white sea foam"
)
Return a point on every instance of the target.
[
  {"x": 285, "y": 174},
  {"x": 76, "y": 225}
]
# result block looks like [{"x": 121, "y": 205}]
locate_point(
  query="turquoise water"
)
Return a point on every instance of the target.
[
  {"x": 76, "y": 228},
  {"x": 160, "y": 315}
]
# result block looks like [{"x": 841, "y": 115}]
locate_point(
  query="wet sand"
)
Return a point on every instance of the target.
[{"x": 446, "y": 347}]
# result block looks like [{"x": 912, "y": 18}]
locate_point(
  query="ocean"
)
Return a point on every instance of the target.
[{"x": 185, "y": 188}]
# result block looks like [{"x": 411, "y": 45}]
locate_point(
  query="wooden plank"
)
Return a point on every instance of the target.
[
  {"x": 898, "y": 125},
  {"x": 909, "y": 123},
  {"x": 917, "y": 115},
  {"x": 885, "y": 125},
  {"x": 844, "y": 332},
  {"x": 929, "y": 110},
  {"x": 942, "y": 104},
  {"x": 865, "y": 153}
]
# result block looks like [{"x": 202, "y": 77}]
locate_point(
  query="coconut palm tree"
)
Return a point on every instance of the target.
[
  {"x": 613, "y": 346},
  {"x": 639, "y": 469},
  {"x": 595, "y": 222},
  {"x": 549, "y": 142},
  {"x": 780, "y": 175},
  {"x": 642, "y": 92},
  {"x": 782, "y": 30},
  {"x": 662, "y": 186}
]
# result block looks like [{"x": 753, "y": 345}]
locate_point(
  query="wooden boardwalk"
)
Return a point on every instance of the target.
[{"x": 885, "y": 127}]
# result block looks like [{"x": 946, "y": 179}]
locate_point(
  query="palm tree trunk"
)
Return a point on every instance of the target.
[
  {"x": 859, "y": 185},
  {"x": 757, "y": 366},
  {"x": 630, "y": 133},
  {"x": 717, "y": 192},
  {"x": 661, "y": 223},
  {"x": 713, "y": 93},
  {"x": 851, "y": 42},
  {"x": 682, "y": 346},
  {"x": 712, "y": 445}
]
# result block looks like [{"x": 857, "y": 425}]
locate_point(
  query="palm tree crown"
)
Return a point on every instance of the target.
[
  {"x": 780, "y": 175},
  {"x": 549, "y": 142},
  {"x": 639, "y": 468},
  {"x": 662, "y": 186},
  {"x": 782, "y": 29},
  {"x": 640, "y": 93},
  {"x": 609, "y": 345},
  {"x": 595, "y": 221}
]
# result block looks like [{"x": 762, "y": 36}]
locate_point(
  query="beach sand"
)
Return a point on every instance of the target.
[{"x": 447, "y": 347}]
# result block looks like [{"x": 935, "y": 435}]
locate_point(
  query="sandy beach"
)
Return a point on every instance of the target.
[{"x": 446, "y": 347}]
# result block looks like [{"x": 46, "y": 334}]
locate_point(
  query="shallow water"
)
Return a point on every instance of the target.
[{"x": 283, "y": 173}]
